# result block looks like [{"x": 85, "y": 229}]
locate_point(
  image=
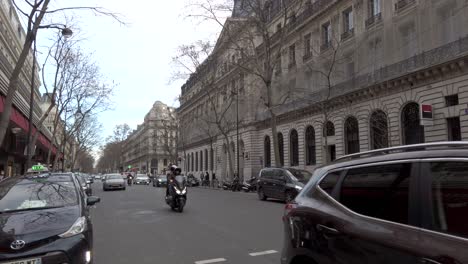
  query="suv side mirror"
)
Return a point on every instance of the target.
[{"x": 92, "y": 200}]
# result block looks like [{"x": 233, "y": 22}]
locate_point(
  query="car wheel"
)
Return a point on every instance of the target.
[
  {"x": 289, "y": 196},
  {"x": 124, "y": 188},
  {"x": 104, "y": 189},
  {"x": 261, "y": 195}
]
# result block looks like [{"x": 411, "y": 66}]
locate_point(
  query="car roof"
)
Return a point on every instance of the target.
[{"x": 412, "y": 152}]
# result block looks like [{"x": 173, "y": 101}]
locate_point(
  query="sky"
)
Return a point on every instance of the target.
[{"x": 136, "y": 56}]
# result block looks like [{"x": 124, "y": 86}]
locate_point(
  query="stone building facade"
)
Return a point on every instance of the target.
[
  {"x": 152, "y": 146},
  {"x": 399, "y": 77}
]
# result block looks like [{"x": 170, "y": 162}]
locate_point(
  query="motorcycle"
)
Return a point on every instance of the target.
[
  {"x": 129, "y": 180},
  {"x": 177, "y": 195},
  {"x": 232, "y": 185},
  {"x": 250, "y": 185}
]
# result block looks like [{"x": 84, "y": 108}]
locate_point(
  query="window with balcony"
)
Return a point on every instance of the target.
[
  {"x": 348, "y": 24},
  {"x": 292, "y": 56},
  {"x": 307, "y": 46},
  {"x": 403, "y": 4},
  {"x": 375, "y": 12},
  {"x": 326, "y": 36}
]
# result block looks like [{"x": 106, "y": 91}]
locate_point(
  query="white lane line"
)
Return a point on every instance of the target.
[
  {"x": 261, "y": 253},
  {"x": 210, "y": 261}
]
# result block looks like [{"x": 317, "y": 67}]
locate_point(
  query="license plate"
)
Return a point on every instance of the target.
[{"x": 24, "y": 261}]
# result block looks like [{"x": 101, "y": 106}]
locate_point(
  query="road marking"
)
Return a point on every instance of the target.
[
  {"x": 261, "y": 253},
  {"x": 210, "y": 261}
]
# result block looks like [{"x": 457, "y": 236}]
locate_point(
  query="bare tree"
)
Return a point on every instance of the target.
[
  {"x": 111, "y": 153},
  {"x": 84, "y": 94},
  {"x": 35, "y": 12},
  {"x": 87, "y": 137}
]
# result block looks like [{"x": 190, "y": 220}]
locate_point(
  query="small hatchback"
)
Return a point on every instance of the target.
[
  {"x": 281, "y": 183},
  {"x": 406, "y": 204}
]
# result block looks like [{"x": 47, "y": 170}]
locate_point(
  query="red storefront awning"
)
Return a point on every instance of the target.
[{"x": 21, "y": 121}]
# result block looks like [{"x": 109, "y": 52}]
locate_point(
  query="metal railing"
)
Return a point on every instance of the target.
[
  {"x": 373, "y": 20},
  {"x": 402, "y": 4}
]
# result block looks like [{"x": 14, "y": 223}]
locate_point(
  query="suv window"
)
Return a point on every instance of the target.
[
  {"x": 450, "y": 197},
  {"x": 266, "y": 174},
  {"x": 378, "y": 191},
  {"x": 329, "y": 181}
]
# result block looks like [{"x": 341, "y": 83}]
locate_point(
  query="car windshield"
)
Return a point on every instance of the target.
[
  {"x": 142, "y": 177},
  {"x": 114, "y": 177},
  {"x": 28, "y": 194}
]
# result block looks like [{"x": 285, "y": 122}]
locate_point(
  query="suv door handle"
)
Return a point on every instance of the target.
[
  {"x": 327, "y": 230},
  {"x": 428, "y": 261}
]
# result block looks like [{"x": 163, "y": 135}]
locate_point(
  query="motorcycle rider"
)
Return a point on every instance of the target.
[{"x": 173, "y": 171}]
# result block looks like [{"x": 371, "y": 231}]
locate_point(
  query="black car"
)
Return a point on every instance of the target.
[
  {"x": 160, "y": 181},
  {"x": 406, "y": 204},
  {"x": 281, "y": 183},
  {"x": 84, "y": 183},
  {"x": 45, "y": 219}
]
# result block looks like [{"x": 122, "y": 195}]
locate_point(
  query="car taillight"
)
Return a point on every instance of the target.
[{"x": 288, "y": 208}]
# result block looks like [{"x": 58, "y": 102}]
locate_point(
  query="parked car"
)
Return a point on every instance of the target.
[
  {"x": 45, "y": 219},
  {"x": 160, "y": 181},
  {"x": 406, "y": 204},
  {"x": 84, "y": 183},
  {"x": 114, "y": 181},
  {"x": 142, "y": 179},
  {"x": 281, "y": 183}
]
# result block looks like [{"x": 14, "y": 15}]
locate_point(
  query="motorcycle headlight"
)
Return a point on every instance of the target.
[
  {"x": 77, "y": 228},
  {"x": 299, "y": 188},
  {"x": 184, "y": 190},
  {"x": 177, "y": 190}
]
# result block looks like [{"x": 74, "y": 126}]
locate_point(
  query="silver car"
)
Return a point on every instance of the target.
[
  {"x": 142, "y": 179},
  {"x": 113, "y": 181}
]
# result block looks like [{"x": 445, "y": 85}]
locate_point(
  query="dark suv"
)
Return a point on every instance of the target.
[
  {"x": 281, "y": 183},
  {"x": 405, "y": 204}
]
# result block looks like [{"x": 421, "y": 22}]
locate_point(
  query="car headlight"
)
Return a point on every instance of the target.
[
  {"x": 77, "y": 228},
  {"x": 159, "y": 180},
  {"x": 297, "y": 187}
]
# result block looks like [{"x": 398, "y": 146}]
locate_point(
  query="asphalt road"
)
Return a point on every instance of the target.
[{"x": 136, "y": 226}]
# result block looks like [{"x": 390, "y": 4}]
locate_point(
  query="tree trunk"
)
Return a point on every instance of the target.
[
  {"x": 274, "y": 132},
  {"x": 38, "y": 132},
  {"x": 231, "y": 168},
  {"x": 14, "y": 78}
]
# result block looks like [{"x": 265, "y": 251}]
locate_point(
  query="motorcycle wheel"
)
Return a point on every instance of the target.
[{"x": 180, "y": 209}]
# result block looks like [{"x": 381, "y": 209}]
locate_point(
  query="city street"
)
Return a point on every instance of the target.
[{"x": 136, "y": 226}]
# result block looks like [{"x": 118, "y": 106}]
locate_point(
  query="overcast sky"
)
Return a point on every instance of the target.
[{"x": 137, "y": 56}]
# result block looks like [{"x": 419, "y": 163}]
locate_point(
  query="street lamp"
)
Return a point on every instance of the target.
[{"x": 66, "y": 33}]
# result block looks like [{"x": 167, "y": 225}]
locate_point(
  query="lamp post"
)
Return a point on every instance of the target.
[
  {"x": 237, "y": 132},
  {"x": 66, "y": 33}
]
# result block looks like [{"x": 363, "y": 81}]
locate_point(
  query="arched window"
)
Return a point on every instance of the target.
[
  {"x": 206, "y": 159},
  {"x": 211, "y": 159},
  {"x": 412, "y": 131},
  {"x": 310, "y": 146},
  {"x": 267, "y": 151},
  {"x": 294, "y": 148},
  {"x": 191, "y": 162},
  {"x": 378, "y": 129},
  {"x": 201, "y": 160},
  {"x": 351, "y": 135},
  {"x": 281, "y": 149},
  {"x": 329, "y": 129}
]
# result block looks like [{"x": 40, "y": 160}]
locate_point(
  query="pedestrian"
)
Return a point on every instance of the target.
[
  {"x": 2, "y": 175},
  {"x": 213, "y": 179},
  {"x": 207, "y": 178}
]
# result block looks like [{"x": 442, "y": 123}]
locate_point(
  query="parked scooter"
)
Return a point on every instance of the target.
[{"x": 250, "y": 185}]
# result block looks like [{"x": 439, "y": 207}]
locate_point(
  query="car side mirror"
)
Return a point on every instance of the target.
[{"x": 92, "y": 200}]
